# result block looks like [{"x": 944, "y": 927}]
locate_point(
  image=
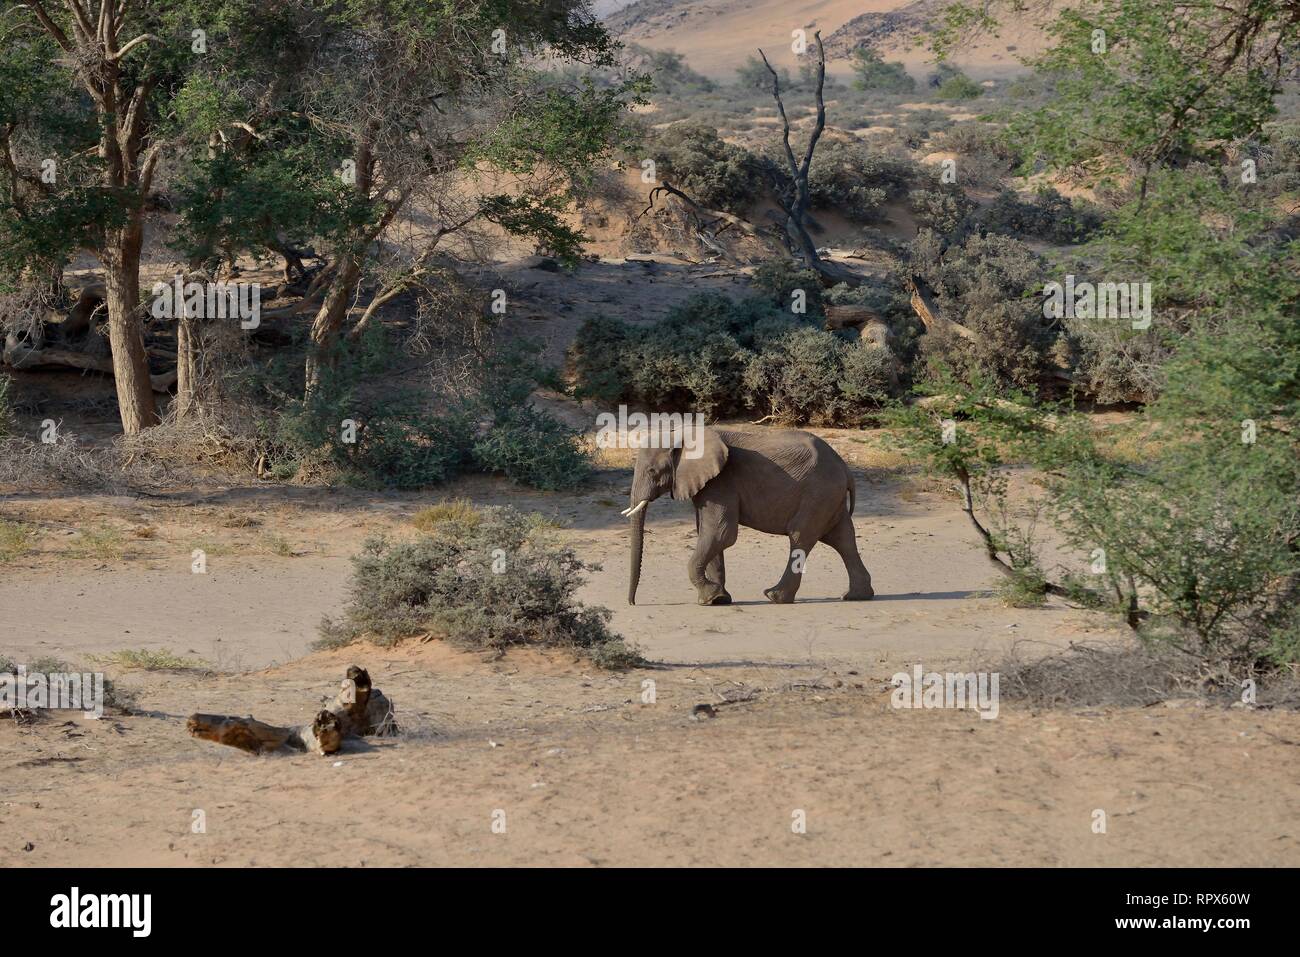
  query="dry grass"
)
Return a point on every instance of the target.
[
  {"x": 142, "y": 659},
  {"x": 101, "y": 542},
  {"x": 459, "y": 510},
  {"x": 608, "y": 458},
  {"x": 1131, "y": 674},
  {"x": 211, "y": 547},
  {"x": 273, "y": 544},
  {"x": 16, "y": 540},
  {"x": 170, "y": 454}
]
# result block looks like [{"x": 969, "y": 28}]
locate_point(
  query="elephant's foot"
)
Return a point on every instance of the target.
[
  {"x": 713, "y": 595},
  {"x": 779, "y": 597},
  {"x": 866, "y": 593}
]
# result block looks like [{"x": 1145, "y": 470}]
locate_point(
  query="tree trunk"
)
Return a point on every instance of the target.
[
  {"x": 329, "y": 321},
  {"x": 187, "y": 367},
  {"x": 126, "y": 330}
]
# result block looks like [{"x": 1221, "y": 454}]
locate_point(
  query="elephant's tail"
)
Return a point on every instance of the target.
[{"x": 853, "y": 495}]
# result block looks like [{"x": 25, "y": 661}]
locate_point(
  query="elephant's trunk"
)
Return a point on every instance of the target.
[{"x": 638, "y": 541}]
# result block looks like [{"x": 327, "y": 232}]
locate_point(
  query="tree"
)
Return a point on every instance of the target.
[
  {"x": 410, "y": 101},
  {"x": 793, "y": 195},
  {"x": 753, "y": 74},
  {"x": 106, "y": 51},
  {"x": 1144, "y": 84}
]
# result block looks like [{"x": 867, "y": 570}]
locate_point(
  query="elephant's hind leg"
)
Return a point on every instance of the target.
[
  {"x": 842, "y": 539},
  {"x": 783, "y": 592}
]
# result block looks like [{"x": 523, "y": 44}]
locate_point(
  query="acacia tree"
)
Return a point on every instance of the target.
[
  {"x": 1143, "y": 84},
  {"x": 335, "y": 122},
  {"x": 120, "y": 64},
  {"x": 410, "y": 101},
  {"x": 97, "y": 41}
]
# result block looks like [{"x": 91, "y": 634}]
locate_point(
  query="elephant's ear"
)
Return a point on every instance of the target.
[{"x": 698, "y": 463}]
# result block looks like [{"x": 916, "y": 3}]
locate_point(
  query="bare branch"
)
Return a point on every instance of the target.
[
  {"x": 142, "y": 38},
  {"x": 52, "y": 28}
]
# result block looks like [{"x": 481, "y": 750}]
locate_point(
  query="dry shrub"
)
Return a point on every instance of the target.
[
  {"x": 201, "y": 442},
  {"x": 70, "y": 464},
  {"x": 489, "y": 578},
  {"x": 164, "y": 456},
  {"x": 1130, "y": 674}
]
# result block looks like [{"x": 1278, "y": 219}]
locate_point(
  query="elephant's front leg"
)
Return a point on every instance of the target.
[
  {"x": 707, "y": 574},
  {"x": 783, "y": 592},
  {"x": 716, "y": 570},
  {"x": 708, "y": 570}
]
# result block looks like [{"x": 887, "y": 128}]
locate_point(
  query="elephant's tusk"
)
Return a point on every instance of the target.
[{"x": 629, "y": 512}]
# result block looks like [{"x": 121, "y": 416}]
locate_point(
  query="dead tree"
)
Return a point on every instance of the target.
[
  {"x": 794, "y": 197},
  {"x": 359, "y": 710},
  {"x": 704, "y": 220}
]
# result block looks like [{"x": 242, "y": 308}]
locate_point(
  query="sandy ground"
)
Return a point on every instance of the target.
[
  {"x": 580, "y": 771},
  {"x": 254, "y": 606},
  {"x": 580, "y": 766}
]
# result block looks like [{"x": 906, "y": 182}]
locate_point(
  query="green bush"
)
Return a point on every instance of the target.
[
  {"x": 874, "y": 74},
  {"x": 719, "y": 357},
  {"x": 847, "y": 177},
  {"x": 395, "y": 443},
  {"x": 949, "y": 83},
  {"x": 715, "y": 173},
  {"x": 753, "y": 74},
  {"x": 1203, "y": 245},
  {"x": 491, "y": 580},
  {"x": 986, "y": 154},
  {"x": 1049, "y": 216},
  {"x": 809, "y": 376},
  {"x": 781, "y": 277},
  {"x": 398, "y": 443},
  {"x": 942, "y": 207},
  {"x": 1194, "y": 544},
  {"x": 534, "y": 449},
  {"x": 993, "y": 286},
  {"x": 672, "y": 77}
]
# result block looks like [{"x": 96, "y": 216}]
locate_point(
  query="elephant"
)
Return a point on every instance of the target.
[{"x": 783, "y": 482}]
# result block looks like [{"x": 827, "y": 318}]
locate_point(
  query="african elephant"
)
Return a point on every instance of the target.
[{"x": 781, "y": 482}]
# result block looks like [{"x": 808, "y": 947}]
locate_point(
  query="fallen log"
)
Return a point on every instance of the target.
[
  {"x": 358, "y": 711},
  {"x": 18, "y": 355},
  {"x": 322, "y": 736},
  {"x": 866, "y": 320},
  {"x": 932, "y": 317}
]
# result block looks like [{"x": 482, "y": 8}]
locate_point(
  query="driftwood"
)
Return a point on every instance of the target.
[
  {"x": 90, "y": 300},
  {"x": 18, "y": 355},
  {"x": 932, "y": 316},
  {"x": 867, "y": 321},
  {"x": 359, "y": 710}
]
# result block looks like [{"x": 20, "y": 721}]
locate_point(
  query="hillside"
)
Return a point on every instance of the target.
[{"x": 716, "y": 36}]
